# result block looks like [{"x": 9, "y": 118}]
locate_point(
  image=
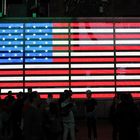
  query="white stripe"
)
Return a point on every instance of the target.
[
  {"x": 103, "y": 30},
  {"x": 13, "y": 90},
  {"x": 61, "y": 54},
  {"x": 123, "y": 30},
  {"x": 128, "y": 77},
  {"x": 11, "y": 78},
  {"x": 107, "y": 89},
  {"x": 128, "y": 89},
  {"x": 92, "y": 54},
  {"x": 62, "y": 42},
  {"x": 93, "y": 42},
  {"x": 92, "y": 65},
  {"x": 53, "y": 66},
  {"x": 128, "y": 41},
  {"x": 48, "y": 90},
  {"x": 128, "y": 53},
  {"x": 128, "y": 65},
  {"x": 11, "y": 66},
  {"x": 46, "y": 78},
  {"x": 88, "y": 77},
  {"x": 60, "y": 30}
]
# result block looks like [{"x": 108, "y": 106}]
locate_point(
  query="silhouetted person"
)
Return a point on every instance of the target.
[
  {"x": 90, "y": 105},
  {"x": 32, "y": 119},
  {"x": 113, "y": 118},
  {"x": 127, "y": 118}
]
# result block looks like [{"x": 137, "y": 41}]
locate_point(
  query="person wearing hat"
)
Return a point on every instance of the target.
[{"x": 90, "y": 105}]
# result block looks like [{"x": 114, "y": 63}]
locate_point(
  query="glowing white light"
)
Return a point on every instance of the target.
[
  {"x": 21, "y": 58},
  {"x": 46, "y": 26},
  {"x": 40, "y": 54},
  {"x": 28, "y": 54},
  {"x": 15, "y": 31},
  {"x": 40, "y": 38},
  {"x": 15, "y": 38},
  {"x": 92, "y": 65},
  {"x": 34, "y": 42},
  {"x": 21, "y": 50},
  {"x": 28, "y": 38},
  {"x": 46, "y": 42},
  {"x": 34, "y": 50},
  {"x": 21, "y": 26},
  {"x": 3, "y": 31},
  {"x": 40, "y": 30},
  {"x": 28, "y": 46},
  {"x": 9, "y": 35},
  {"x": 46, "y": 58},
  {"x": 9, "y": 26},
  {"x": 9, "y": 51},
  {"x": 3, "y": 39},
  {"x": 9, "y": 59},
  {"x": 34, "y": 26},
  {"x": 9, "y": 43},
  {"x": 3, "y": 47},
  {"x": 28, "y": 31},
  {"x": 34, "y": 58},
  {"x": 3, "y": 54},
  {"x": 21, "y": 35},
  {"x": 34, "y": 34},
  {"x": 15, "y": 46},
  {"x": 21, "y": 43},
  {"x": 15, "y": 54},
  {"x": 46, "y": 50},
  {"x": 40, "y": 46},
  {"x": 46, "y": 34}
]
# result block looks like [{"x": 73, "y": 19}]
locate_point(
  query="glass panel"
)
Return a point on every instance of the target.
[
  {"x": 92, "y": 57},
  {"x": 11, "y": 57},
  {"x": 47, "y": 57}
]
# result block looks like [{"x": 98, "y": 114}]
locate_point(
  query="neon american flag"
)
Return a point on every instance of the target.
[{"x": 51, "y": 57}]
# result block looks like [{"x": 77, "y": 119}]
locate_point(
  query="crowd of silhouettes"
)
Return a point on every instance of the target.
[{"x": 27, "y": 117}]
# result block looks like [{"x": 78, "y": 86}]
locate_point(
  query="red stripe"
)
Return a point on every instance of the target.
[
  {"x": 92, "y": 36},
  {"x": 46, "y": 72},
  {"x": 11, "y": 84},
  {"x": 127, "y": 48},
  {"x": 97, "y": 71},
  {"x": 92, "y": 59},
  {"x": 11, "y": 72},
  {"x": 46, "y": 84},
  {"x": 60, "y": 24},
  {"x": 60, "y": 36},
  {"x": 82, "y": 96},
  {"x": 127, "y": 24},
  {"x": 62, "y": 60},
  {"x": 60, "y": 48},
  {"x": 85, "y": 84},
  {"x": 91, "y": 24},
  {"x": 128, "y": 59},
  {"x": 128, "y": 83},
  {"x": 128, "y": 71},
  {"x": 127, "y": 36},
  {"x": 92, "y": 48}
]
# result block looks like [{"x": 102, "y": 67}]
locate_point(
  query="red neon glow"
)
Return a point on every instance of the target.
[
  {"x": 127, "y": 24},
  {"x": 92, "y": 36},
  {"x": 92, "y": 48},
  {"x": 88, "y": 83},
  {"x": 59, "y": 60},
  {"x": 93, "y": 71},
  {"x": 46, "y": 72},
  {"x": 127, "y": 36},
  {"x": 128, "y": 71},
  {"x": 11, "y": 72},
  {"x": 60, "y": 24},
  {"x": 91, "y": 24},
  {"x": 11, "y": 84},
  {"x": 92, "y": 59},
  {"x": 59, "y": 36},
  {"x": 128, "y": 83},
  {"x": 46, "y": 84},
  {"x": 127, "y": 48},
  {"x": 128, "y": 59},
  {"x": 60, "y": 48}
]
